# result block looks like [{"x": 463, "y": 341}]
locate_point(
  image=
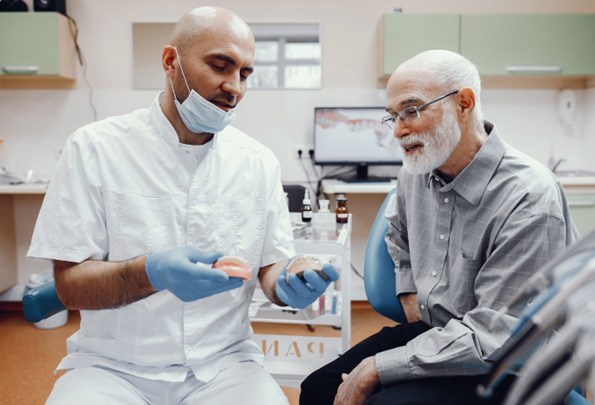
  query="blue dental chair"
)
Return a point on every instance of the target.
[
  {"x": 380, "y": 279},
  {"x": 41, "y": 302}
]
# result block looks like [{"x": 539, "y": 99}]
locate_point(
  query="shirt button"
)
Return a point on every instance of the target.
[
  {"x": 446, "y": 200},
  {"x": 442, "y": 236},
  {"x": 422, "y": 306},
  {"x": 434, "y": 274}
]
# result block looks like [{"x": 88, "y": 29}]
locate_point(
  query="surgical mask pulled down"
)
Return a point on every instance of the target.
[{"x": 198, "y": 114}]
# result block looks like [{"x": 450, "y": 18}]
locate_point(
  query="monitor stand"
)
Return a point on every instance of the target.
[{"x": 362, "y": 176}]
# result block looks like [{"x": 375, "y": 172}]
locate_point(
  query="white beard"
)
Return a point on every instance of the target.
[{"x": 438, "y": 145}]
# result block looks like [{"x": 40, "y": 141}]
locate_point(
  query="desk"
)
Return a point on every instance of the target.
[{"x": 13, "y": 241}]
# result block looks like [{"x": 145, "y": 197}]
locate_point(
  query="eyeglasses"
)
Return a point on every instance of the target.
[{"x": 411, "y": 113}]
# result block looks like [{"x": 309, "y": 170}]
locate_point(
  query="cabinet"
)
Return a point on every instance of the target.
[
  {"x": 530, "y": 44},
  {"x": 581, "y": 201},
  {"x": 501, "y": 45},
  {"x": 582, "y": 210},
  {"x": 36, "y": 46},
  {"x": 290, "y": 358},
  {"x": 405, "y": 35},
  {"x": 14, "y": 240}
]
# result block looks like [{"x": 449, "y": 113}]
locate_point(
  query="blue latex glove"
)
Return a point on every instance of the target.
[
  {"x": 298, "y": 292},
  {"x": 176, "y": 270}
]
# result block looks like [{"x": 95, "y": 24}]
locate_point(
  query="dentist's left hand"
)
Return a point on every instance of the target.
[
  {"x": 186, "y": 272},
  {"x": 299, "y": 292}
]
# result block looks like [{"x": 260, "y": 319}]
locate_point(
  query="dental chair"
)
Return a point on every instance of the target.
[
  {"x": 380, "y": 278},
  {"x": 41, "y": 302}
]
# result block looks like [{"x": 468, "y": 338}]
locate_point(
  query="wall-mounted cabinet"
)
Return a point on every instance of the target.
[
  {"x": 519, "y": 47},
  {"x": 529, "y": 44},
  {"x": 36, "y": 47},
  {"x": 405, "y": 35}
]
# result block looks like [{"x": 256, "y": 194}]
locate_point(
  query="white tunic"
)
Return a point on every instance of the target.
[{"x": 124, "y": 187}]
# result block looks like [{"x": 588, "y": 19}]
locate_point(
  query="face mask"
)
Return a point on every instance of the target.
[{"x": 198, "y": 114}]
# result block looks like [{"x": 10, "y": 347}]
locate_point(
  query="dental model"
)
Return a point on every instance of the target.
[
  {"x": 233, "y": 266},
  {"x": 299, "y": 264}
]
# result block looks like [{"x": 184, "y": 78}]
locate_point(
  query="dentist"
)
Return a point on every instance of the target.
[{"x": 140, "y": 207}]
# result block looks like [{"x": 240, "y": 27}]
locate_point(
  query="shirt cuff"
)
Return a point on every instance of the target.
[
  {"x": 393, "y": 365},
  {"x": 405, "y": 283}
]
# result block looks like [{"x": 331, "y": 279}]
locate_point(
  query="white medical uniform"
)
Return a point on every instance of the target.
[{"x": 124, "y": 187}]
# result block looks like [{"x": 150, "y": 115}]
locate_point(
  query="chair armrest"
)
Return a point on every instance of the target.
[{"x": 41, "y": 302}]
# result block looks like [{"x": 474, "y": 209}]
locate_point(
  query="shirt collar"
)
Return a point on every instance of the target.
[{"x": 472, "y": 182}]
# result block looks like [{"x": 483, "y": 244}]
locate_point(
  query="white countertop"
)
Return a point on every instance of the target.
[
  {"x": 23, "y": 189},
  {"x": 332, "y": 186},
  {"x": 577, "y": 180},
  {"x": 329, "y": 186}
]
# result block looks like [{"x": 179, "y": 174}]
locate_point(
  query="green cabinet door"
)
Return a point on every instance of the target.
[
  {"x": 406, "y": 35},
  {"x": 31, "y": 43},
  {"x": 530, "y": 44},
  {"x": 582, "y": 211}
]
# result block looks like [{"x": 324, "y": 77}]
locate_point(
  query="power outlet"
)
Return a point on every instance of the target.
[{"x": 303, "y": 151}]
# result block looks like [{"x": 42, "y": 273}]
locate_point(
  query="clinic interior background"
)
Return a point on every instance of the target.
[{"x": 35, "y": 123}]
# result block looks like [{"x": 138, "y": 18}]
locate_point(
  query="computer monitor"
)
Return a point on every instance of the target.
[{"x": 354, "y": 136}]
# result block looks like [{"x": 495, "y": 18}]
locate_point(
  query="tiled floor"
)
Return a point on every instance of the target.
[{"x": 29, "y": 355}]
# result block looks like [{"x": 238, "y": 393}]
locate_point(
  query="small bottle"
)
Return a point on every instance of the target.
[
  {"x": 342, "y": 213},
  {"x": 306, "y": 207}
]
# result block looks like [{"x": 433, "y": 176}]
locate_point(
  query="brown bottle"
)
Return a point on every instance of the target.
[{"x": 342, "y": 213}]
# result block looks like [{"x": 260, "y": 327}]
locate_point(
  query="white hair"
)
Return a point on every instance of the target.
[{"x": 448, "y": 71}]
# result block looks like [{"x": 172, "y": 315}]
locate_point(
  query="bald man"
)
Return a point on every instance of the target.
[
  {"x": 474, "y": 220},
  {"x": 139, "y": 209}
]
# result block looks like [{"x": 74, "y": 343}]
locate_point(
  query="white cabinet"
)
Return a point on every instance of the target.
[{"x": 290, "y": 358}]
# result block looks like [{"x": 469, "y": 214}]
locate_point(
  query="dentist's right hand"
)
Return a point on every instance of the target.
[{"x": 176, "y": 270}]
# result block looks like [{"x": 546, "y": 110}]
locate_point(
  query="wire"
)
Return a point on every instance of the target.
[
  {"x": 75, "y": 33},
  {"x": 337, "y": 171},
  {"x": 356, "y": 271}
]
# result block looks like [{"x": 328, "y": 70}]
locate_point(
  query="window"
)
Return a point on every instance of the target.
[{"x": 287, "y": 56}]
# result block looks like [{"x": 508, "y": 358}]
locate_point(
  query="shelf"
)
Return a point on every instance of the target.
[{"x": 270, "y": 313}]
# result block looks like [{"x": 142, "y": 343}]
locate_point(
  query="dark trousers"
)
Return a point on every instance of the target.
[{"x": 321, "y": 386}]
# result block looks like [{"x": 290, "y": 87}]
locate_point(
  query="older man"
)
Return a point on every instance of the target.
[{"x": 474, "y": 220}]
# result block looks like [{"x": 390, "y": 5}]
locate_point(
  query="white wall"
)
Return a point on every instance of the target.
[{"x": 35, "y": 123}]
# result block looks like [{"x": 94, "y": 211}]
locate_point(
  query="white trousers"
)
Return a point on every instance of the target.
[{"x": 243, "y": 383}]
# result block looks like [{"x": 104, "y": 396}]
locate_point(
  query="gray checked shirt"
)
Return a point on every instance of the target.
[{"x": 466, "y": 247}]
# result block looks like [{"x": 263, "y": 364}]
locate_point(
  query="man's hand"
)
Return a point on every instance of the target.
[
  {"x": 186, "y": 272},
  {"x": 358, "y": 385},
  {"x": 409, "y": 304},
  {"x": 300, "y": 291}
]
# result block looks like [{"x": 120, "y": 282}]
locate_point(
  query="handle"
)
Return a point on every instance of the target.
[
  {"x": 577, "y": 203},
  {"x": 533, "y": 69},
  {"x": 20, "y": 69}
]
